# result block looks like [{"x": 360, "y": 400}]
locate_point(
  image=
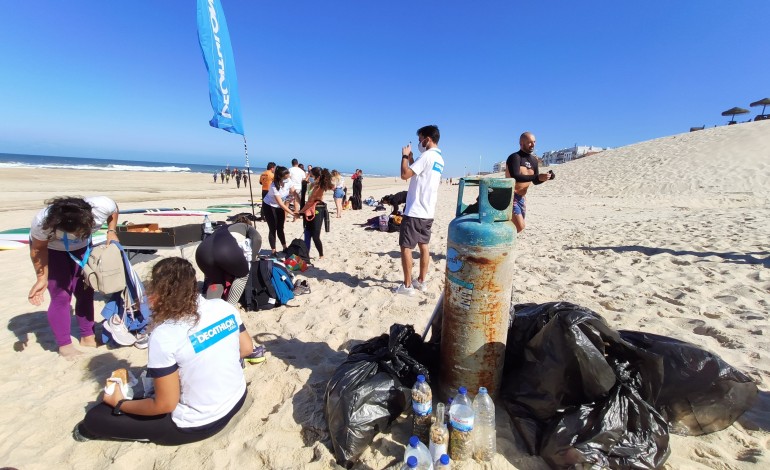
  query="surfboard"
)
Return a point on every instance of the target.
[
  {"x": 11, "y": 245},
  {"x": 183, "y": 213},
  {"x": 21, "y": 235},
  {"x": 248, "y": 204},
  {"x": 157, "y": 209}
]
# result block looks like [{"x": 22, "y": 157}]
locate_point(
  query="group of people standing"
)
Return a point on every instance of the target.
[{"x": 236, "y": 174}]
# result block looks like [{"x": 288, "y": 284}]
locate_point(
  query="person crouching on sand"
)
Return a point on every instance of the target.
[
  {"x": 194, "y": 351},
  {"x": 60, "y": 242}
]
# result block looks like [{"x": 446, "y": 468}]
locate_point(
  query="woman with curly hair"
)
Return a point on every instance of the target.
[
  {"x": 315, "y": 212},
  {"x": 60, "y": 242},
  {"x": 194, "y": 352}
]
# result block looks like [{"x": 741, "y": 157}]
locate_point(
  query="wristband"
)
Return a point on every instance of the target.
[
  {"x": 116, "y": 410},
  {"x": 111, "y": 230},
  {"x": 404, "y": 156}
]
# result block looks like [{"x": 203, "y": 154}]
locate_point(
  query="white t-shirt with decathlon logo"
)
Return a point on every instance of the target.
[
  {"x": 423, "y": 186},
  {"x": 207, "y": 356}
]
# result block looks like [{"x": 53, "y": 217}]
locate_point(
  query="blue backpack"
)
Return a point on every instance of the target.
[{"x": 269, "y": 285}]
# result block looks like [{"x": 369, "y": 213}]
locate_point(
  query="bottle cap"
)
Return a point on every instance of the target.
[
  {"x": 482, "y": 389},
  {"x": 411, "y": 462},
  {"x": 444, "y": 459},
  {"x": 413, "y": 441},
  {"x": 462, "y": 390},
  {"x": 421, "y": 378}
]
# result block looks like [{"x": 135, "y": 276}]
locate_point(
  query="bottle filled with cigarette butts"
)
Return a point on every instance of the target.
[
  {"x": 442, "y": 463},
  {"x": 422, "y": 406},
  {"x": 461, "y": 421},
  {"x": 439, "y": 435},
  {"x": 484, "y": 433}
]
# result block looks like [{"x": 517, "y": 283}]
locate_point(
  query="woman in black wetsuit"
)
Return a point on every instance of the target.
[{"x": 317, "y": 209}]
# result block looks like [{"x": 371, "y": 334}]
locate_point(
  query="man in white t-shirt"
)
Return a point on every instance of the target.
[
  {"x": 296, "y": 174},
  {"x": 424, "y": 173}
]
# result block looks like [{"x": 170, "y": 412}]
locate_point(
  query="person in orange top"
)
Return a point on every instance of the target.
[{"x": 266, "y": 178}]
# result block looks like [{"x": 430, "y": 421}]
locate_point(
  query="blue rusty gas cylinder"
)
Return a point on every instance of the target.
[{"x": 477, "y": 291}]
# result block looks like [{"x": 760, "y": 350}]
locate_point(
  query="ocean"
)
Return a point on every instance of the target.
[{"x": 9, "y": 160}]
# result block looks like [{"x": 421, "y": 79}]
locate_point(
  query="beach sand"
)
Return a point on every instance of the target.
[{"x": 670, "y": 236}]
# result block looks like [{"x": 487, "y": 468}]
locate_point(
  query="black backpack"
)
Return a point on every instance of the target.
[
  {"x": 260, "y": 292},
  {"x": 298, "y": 247}
]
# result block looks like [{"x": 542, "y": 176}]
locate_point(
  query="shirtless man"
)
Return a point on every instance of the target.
[{"x": 522, "y": 166}]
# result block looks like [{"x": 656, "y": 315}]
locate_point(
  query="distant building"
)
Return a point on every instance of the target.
[
  {"x": 569, "y": 154},
  {"x": 498, "y": 167}
]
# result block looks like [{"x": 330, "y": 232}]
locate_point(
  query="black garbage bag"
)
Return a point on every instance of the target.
[
  {"x": 371, "y": 389},
  {"x": 622, "y": 431},
  {"x": 700, "y": 392},
  {"x": 578, "y": 393},
  {"x": 581, "y": 393}
]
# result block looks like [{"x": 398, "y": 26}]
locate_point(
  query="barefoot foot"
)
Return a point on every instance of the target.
[
  {"x": 88, "y": 341},
  {"x": 69, "y": 352}
]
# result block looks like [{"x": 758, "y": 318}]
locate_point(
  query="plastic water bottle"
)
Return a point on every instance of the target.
[
  {"x": 484, "y": 433},
  {"x": 439, "y": 435},
  {"x": 422, "y": 406},
  {"x": 207, "y": 228},
  {"x": 461, "y": 420},
  {"x": 442, "y": 463},
  {"x": 410, "y": 463},
  {"x": 420, "y": 451}
]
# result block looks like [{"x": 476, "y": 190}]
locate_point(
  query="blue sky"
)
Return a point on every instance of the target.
[{"x": 345, "y": 84}]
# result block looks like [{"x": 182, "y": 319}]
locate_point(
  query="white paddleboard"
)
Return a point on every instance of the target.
[{"x": 11, "y": 245}]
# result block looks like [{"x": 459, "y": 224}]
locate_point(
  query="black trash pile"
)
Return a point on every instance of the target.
[
  {"x": 371, "y": 389},
  {"x": 582, "y": 394}
]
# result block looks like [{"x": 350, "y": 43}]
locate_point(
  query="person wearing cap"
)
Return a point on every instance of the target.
[{"x": 59, "y": 245}]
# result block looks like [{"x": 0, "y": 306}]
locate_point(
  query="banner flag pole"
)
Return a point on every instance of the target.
[{"x": 248, "y": 172}]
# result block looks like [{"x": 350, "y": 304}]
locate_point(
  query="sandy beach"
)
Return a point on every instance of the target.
[{"x": 669, "y": 236}]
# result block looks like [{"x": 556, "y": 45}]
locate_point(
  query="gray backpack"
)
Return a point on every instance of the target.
[{"x": 104, "y": 271}]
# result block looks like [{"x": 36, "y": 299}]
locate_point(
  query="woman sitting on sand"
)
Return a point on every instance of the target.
[
  {"x": 276, "y": 208},
  {"x": 322, "y": 182},
  {"x": 339, "y": 191},
  {"x": 194, "y": 351}
]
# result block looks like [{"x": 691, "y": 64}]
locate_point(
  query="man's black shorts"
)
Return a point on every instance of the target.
[{"x": 414, "y": 231}]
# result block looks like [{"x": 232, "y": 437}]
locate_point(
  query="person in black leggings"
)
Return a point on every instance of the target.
[
  {"x": 193, "y": 357},
  {"x": 276, "y": 208},
  {"x": 314, "y": 211},
  {"x": 222, "y": 259}
]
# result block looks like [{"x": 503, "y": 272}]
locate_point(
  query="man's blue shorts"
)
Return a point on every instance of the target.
[{"x": 519, "y": 205}]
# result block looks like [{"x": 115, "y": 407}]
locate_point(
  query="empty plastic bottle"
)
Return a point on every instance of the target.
[
  {"x": 422, "y": 406},
  {"x": 484, "y": 432},
  {"x": 461, "y": 420},
  {"x": 442, "y": 463},
  {"x": 207, "y": 228},
  {"x": 417, "y": 449},
  {"x": 411, "y": 463}
]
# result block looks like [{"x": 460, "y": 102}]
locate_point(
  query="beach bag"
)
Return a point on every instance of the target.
[
  {"x": 104, "y": 270},
  {"x": 297, "y": 247},
  {"x": 261, "y": 292},
  {"x": 127, "y": 313},
  {"x": 283, "y": 283}
]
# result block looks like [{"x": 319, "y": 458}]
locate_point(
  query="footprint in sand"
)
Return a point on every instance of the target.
[{"x": 723, "y": 339}]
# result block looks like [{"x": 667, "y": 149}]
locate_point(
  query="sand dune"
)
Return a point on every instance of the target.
[{"x": 669, "y": 236}]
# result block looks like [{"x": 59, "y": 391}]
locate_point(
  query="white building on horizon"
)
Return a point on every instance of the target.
[
  {"x": 498, "y": 167},
  {"x": 569, "y": 154}
]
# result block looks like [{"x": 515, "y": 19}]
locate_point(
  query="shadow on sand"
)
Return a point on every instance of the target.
[{"x": 730, "y": 257}]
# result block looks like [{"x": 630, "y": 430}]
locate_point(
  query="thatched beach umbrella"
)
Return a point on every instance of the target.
[
  {"x": 733, "y": 111},
  {"x": 763, "y": 102}
]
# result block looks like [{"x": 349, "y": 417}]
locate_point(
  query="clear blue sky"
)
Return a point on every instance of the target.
[{"x": 345, "y": 84}]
